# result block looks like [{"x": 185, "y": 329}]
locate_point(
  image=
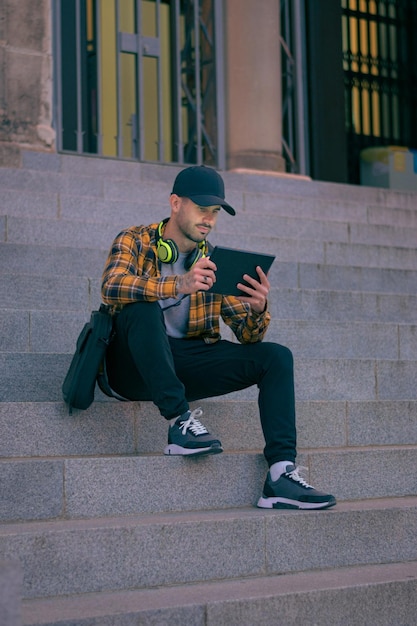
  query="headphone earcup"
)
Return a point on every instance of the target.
[
  {"x": 196, "y": 254},
  {"x": 167, "y": 251},
  {"x": 193, "y": 258}
]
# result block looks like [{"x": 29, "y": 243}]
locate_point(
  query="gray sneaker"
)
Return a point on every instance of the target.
[
  {"x": 188, "y": 436},
  {"x": 291, "y": 491}
]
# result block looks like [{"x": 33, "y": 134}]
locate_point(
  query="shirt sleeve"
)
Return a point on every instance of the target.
[
  {"x": 248, "y": 326},
  {"x": 131, "y": 272}
]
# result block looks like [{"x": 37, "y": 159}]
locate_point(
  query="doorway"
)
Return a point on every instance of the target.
[{"x": 140, "y": 79}]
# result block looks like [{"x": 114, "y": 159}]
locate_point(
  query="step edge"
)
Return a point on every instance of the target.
[{"x": 232, "y": 590}]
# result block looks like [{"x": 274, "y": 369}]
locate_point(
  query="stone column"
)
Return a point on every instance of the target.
[
  {"x": 25, "y": 77},
  {"x": 253, "y": 85}
]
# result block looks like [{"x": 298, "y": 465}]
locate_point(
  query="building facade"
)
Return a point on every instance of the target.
[{"x": 276, "y": 85}]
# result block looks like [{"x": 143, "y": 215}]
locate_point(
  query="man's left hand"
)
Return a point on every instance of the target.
[{"x": 257, "y": 291}]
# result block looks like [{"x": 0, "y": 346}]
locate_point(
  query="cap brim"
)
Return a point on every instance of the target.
[{"x": 212, "y": 200}]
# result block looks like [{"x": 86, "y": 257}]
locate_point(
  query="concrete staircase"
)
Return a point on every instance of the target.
[{"x": 109, "y": 532}]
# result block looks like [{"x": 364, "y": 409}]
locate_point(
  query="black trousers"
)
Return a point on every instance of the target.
[{"x": 143, "y": 363}]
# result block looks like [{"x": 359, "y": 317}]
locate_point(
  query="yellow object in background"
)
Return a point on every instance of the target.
[
  {"x": 393, "y": 167},
  {"x": 399, "y": 161}
]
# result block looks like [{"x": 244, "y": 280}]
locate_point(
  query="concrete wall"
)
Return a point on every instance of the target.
[{"x": 25, "y": 75}]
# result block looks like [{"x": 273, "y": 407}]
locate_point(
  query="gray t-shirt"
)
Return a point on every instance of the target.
[{"x": 176, "y": 310}]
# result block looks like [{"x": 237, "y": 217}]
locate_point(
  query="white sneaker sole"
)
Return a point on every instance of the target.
[
  {"x": 173, "y": 449},
  {"x": 286, "y": 503}
]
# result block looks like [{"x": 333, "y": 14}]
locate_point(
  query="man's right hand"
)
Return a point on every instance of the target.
[{"x": 199, "y": 278}]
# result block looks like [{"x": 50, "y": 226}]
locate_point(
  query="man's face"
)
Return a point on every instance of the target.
[{"x": 193, "y": 221}]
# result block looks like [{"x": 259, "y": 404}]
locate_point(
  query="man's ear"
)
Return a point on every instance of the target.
[{"x": 174, "y": 201}]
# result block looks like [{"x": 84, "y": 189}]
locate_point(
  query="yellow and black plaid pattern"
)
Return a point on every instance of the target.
[{"x": 132, "y": 274}]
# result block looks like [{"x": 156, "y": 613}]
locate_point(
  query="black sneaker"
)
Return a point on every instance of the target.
[
  {"x": 188, "y": 436},
  {"x": 291, "y": 491}
]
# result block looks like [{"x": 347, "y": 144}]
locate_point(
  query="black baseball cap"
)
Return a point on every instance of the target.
[{"x": 203, "y": 185}]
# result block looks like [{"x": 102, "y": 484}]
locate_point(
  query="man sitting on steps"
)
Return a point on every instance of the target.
[{"x": 168, "y": 347}]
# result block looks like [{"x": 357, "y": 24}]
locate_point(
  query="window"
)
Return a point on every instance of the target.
[{"x": 140, "y": 79}]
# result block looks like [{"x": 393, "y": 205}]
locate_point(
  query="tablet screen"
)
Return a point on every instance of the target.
[{"x": 232, "y": 264}]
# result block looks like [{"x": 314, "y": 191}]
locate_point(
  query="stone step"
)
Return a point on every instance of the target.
[
  {"x": 69, "y": 292},
  {"x": 10, "y": 593},
  {"x": 244, "y": 180},
  {"x": 57, "y": 332},
  {"x": 140, "y": 551},
  {"x": 339, "y": 278},
  {"x": 68, "y": 238},
  {"x": 323, "y": 231},
  {"x": 337, "y": 261},
  {"x": 38, "y": 377},
  {"x": 284, "y": 302},
  {"x": 50, "y": 292},
  {"x": 330, "y": 339},
  {"x": 54, "y": 261},
  {"x": 45, "y": 429},
  {"x": 129, "y": 182},
  {"x": 365, "y": 211},
  {"x": 145, "y": 206},
  {"x": 91, "y": 487},
  {"x": 324, "y": 253},
  {"x": 90, "y": 233},
  {"x": 366, "y": 593},
  {"x": 313, "y": 304}
]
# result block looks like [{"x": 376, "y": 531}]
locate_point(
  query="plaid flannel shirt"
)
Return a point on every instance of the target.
[{"x": 132, "y": 273}]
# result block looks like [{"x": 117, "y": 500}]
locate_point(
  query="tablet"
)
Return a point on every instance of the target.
[{"x": 232, "y": 264}]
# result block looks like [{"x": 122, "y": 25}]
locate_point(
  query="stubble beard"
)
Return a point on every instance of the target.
[{"x": 194, "y": 238}]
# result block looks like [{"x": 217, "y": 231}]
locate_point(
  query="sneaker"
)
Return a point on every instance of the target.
[
  {"x": 291, "y": 491},
  {"x": 188, "y": 436}
]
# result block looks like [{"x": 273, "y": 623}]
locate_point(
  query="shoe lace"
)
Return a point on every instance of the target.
[
  {"x": 295, "y": 476},
  {"x": 193, "y": 424}
]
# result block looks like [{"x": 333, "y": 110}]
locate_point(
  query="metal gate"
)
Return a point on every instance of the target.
[
  {"x": 139, "y": 79},
  {"x": 380, "y": 68},
  {"x": 294, "y": 91}
]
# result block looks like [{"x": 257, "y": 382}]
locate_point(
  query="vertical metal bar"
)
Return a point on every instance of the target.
[
  {"x": 379, "y": 74},
  {"x": 219, "y": 84},
  {"x": 118, "y": 83},
  {"x": 347, "y": 72},
  {"x": 348, "y": 89},
  {"x": 390, "y": 74},
  {"x": 383, "y": 27},
  {"x": 159, "y": 78},
  {"x": 57, "y": 56},
  {"x": 176, "y": 82},
  {"x": 139, "y": 83},
  {"x": 198, "y": 111},
  {"x": 99, "y": 68},
  {"x": 360, "y": 86},
  {"x": 291, "y": 95},
  {"x": 79, "y": 131},
  {"x": 288, "y": 102},
  {"x": 369, "y": 70},
  {"x": 300, "y": 38}
]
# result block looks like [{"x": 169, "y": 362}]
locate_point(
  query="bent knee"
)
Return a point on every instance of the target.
[
  {"x": 279, "y": 355},
  {"x": 141, "y": 314}
]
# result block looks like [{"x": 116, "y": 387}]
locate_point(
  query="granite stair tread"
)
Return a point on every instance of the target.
[
  {"x": 91, "y": 487},
  {"x": 110, "y": 532},
  {"x": 248, "y": 601},
  {"x": 142, "y": 551}
]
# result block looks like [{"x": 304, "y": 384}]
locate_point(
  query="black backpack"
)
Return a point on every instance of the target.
[{"x": 87, "y": 363}]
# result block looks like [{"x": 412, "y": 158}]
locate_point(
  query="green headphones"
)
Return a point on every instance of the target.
[{"x": 168, "y": 252}]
